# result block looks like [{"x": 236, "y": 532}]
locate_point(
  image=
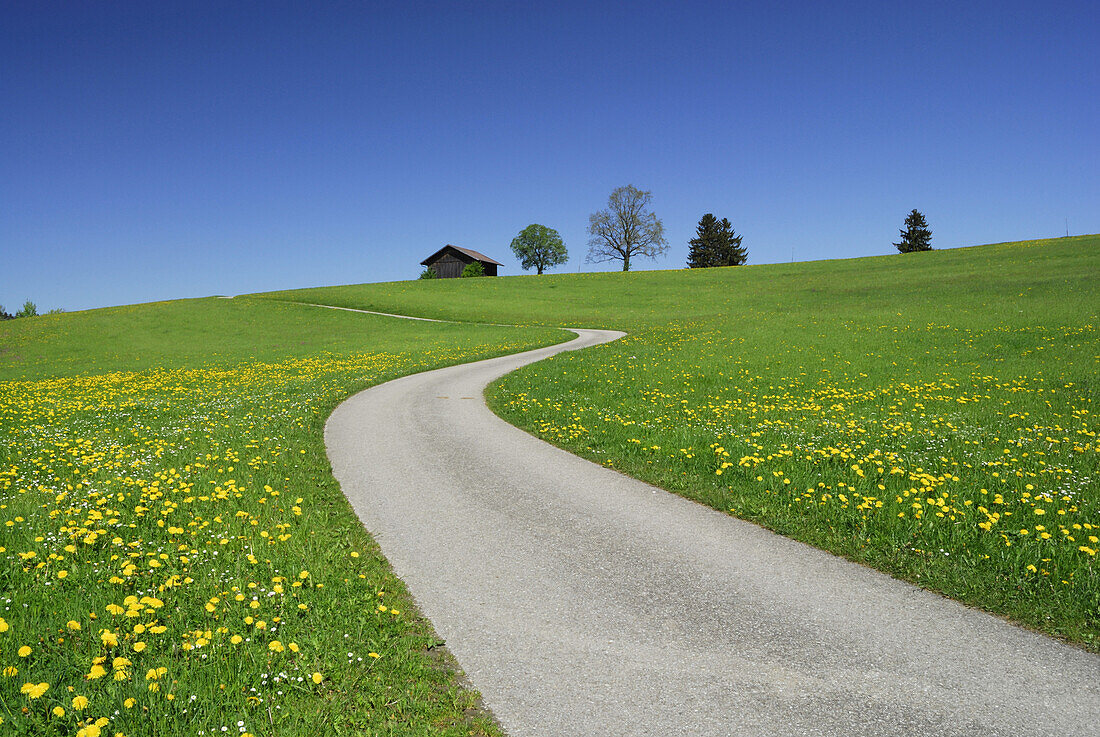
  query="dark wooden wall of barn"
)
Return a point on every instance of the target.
[{"x": 449, "y": 266}]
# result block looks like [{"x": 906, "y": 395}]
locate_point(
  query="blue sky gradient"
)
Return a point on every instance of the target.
[{"x": 162, "y": 150}]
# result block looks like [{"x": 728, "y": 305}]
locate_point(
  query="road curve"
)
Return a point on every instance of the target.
[{"x": 583, "y": 602}]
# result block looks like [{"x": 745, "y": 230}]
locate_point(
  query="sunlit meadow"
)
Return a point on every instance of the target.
[
  {"x": 932, "y": 415},
  {"x": 175, "y": 557}
]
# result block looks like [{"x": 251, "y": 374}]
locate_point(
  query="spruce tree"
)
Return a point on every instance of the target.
[
  {"x": 715, "y": 244},
  {"x": 731, "y": 252},
  {"x": 916, "y": 236},
  {"x": 705, "y": 243}
]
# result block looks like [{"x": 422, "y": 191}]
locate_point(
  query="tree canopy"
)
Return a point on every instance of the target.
[
  {"x": 625, "y": 229},
  {"x": 916, "y": 236},
  {"x": 539, "y": 247},
  {"x": 715, "y": 244},
  {"x": 29, "y": 310}
]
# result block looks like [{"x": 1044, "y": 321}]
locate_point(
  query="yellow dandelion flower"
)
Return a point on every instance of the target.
[
  {"x": 79, "y": 702},
  {"x": 275, "y": 646},
  {"x": 317, "y": 678},
  {"x": 24, "y": 651}
]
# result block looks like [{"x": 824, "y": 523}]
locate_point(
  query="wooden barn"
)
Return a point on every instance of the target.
[{"x": 449, "y": 261}]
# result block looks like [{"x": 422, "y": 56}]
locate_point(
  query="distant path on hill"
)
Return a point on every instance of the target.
[{"x": 583, "y": 602}]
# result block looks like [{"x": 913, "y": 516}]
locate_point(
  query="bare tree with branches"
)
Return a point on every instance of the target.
[{"x": 625, "y": 229}]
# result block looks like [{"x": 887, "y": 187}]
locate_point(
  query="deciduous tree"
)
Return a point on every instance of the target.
[
  {"x": 625, "y": 229},
  {"x": 539, "y": 247}
]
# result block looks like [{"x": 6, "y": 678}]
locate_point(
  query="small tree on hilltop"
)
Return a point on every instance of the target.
[
  {"x": 540, "y": 247},
  {"x": 715, "y": 244},
  {"x": 29, "y": 310},
  {"x": 473, "y": 268},
  {"x": 916, "y": 236},
  {"x": 428, "y": 273},
  {"x": 5, "y": 315},
  {"x": 625, "y": 229}
]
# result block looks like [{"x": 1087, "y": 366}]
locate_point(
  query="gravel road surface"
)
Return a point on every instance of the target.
[{"x": 583, "y": 602}]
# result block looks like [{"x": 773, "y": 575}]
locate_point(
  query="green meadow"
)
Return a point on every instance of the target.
[
  {"x": 931, "y": 414},
  {"x": 178, "y": 558},
  {"x": 175, "y": 556}
]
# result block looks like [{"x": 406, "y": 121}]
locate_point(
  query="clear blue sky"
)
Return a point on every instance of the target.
[{"x": 154, "y": 150}]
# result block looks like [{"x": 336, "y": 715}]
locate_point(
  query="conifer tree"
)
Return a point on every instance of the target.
[
  {"x": 730, "y": 252},
  {"x": 916, "y": 236},
  {"x": 715, "y": 244},
  {"x": 702, "y": 246}
]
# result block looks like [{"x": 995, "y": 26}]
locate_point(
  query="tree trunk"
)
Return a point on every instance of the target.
[{"x": 626, "y": 262}]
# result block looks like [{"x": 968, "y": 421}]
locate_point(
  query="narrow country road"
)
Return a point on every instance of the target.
[{"x": 583, "y": 602}]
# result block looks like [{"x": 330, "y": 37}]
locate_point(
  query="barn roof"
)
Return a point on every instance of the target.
[{"x": 468, "y": 251}]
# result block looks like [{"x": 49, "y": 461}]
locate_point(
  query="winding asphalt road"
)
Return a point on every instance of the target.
[{"x": 583, "y": 602}]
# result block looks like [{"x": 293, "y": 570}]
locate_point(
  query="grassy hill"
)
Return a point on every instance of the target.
[
  {"x": 175, "y": 556},
  {"x": 932, "y": 414}
]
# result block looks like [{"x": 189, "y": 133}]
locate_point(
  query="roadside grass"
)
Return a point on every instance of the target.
[
  {"x": 931, "y": 415},
  {"x": 176, "y": 555}
]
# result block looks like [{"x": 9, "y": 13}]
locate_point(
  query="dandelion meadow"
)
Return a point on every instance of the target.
[
  {"x": 175, "y": 556},
  {"x": 932, "y": 415}
]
